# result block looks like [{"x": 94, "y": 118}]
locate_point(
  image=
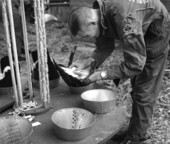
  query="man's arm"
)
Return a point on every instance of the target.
[
  {"x": 134, "y": 51},
  {"x": 105, "y": 47}
]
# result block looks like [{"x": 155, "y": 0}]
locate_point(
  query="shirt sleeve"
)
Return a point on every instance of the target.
[
  {"x": 134, "y": 51},
  {"x": 104, "y": 48}
]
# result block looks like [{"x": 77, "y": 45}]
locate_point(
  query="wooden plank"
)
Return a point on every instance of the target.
[{"x": 106, "y": 126}]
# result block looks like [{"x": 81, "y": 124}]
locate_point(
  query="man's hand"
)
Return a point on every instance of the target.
[
  {"x": 82, "y": 74},
  {"x": 96, "y": 76}
]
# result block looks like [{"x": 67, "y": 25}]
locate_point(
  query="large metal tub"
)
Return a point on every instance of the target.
[
  {"x": 99, "y": 100},
  {"x": 15, "y": 130},
  {"x": 73, "y": 124}
]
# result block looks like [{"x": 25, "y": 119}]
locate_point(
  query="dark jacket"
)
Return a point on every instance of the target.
[{"x": 138, "y": 24}]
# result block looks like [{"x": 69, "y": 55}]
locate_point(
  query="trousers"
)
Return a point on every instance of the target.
[{"x": 146, "y": 85}]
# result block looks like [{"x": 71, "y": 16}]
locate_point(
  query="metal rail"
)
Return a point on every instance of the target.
[{"x": 59, "y": 4}]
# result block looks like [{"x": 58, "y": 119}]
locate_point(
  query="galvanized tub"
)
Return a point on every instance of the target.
[
  {"x": 73, "y": 124},
  {"x": 99, "y": 100},
  {"x": 15, "y": 130}
]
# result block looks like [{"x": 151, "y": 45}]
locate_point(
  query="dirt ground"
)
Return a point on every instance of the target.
[{"x": 60, "y": 44}]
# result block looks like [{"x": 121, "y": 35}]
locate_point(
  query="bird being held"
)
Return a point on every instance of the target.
[{"x": 5, "y": 75}]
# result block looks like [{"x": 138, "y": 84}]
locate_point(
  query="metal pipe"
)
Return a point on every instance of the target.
[
  {"x": 26, "y": 49},
  {"x": 9, "y": 5},
  {"x": 8, "y": 41}
]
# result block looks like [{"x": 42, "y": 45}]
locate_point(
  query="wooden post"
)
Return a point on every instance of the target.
[
  {"x": 42, "y": 51},
  {"x": 9, "y": 6},
  {"x": 8, "y": 42},
  {"x": 26, "y": 49}
]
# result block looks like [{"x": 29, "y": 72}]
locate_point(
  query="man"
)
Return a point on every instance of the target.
[{"x": 143, "y": 27}]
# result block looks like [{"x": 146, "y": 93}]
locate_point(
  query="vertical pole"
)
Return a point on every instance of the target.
[
  {"x": 45, "y": 53},
  {"x": 26, "y": 49},
  {"x": 8, "y": 41},
  {"x": 42, "y": 51},
  {"x": 9, "y": 5},
  {"x": 36, "y": 13}
]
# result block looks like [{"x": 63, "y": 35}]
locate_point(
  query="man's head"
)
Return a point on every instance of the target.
[{"x": 84, "y": 22}]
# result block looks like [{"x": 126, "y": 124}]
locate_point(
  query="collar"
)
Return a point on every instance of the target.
[{"x": 100, "y": 4}]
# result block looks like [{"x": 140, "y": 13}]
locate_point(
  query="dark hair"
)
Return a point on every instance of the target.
[{"x": 77, "y": 18}]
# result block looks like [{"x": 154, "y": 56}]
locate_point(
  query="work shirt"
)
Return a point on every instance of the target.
[{"x": 136, "y": 23}]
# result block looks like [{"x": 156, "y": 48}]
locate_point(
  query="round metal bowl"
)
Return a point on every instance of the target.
[
  {"x": 52, "y": 83},
  {"x": 79, "y": 90},
  {"x": 73, "y": 124},
  {"x": 15, "y": 130},
  {"x": 99, "y": 100},
  {"x": 6, "y": 90}
]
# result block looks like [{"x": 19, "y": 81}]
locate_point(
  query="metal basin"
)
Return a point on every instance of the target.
[
  {"x": 15, "y": 130},
  {"x": 99, "y": 100},
  {"x": 79, "y": 90},
  {"x": 52, "y": 83},
  {"x": 73, "y": 124},
  {"x": 6, "y": 90}
]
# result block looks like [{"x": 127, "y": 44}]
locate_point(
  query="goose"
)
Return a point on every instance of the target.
[
  {"x": 53, "y": 73},
  {"x": 5, "y": 75},
  {"x": 71, "y": 78}
]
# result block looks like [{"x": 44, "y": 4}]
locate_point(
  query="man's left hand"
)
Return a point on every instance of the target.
[{"x": 96, "y": 76}]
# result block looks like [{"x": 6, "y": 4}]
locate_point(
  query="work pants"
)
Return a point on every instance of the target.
[{"x": 146, "y": 86}]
